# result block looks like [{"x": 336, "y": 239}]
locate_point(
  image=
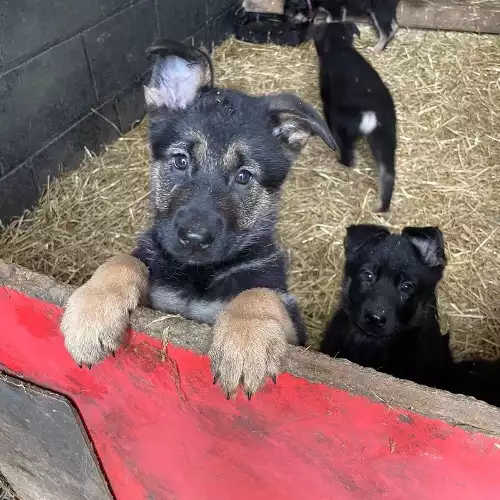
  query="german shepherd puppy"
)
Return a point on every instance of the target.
[
  {"x": 219, "y": 158},
  {"x": 387, "y": 317}
]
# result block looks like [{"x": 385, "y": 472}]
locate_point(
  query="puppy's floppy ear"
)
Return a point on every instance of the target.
[
  {"x": 178, "y": 73},
  {"x": 294, "y": 121},
  {"x": 359, "y": 235},
  {"x": 429, "y": 242}
]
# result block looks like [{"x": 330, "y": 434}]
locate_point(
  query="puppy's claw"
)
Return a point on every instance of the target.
[
  {"x": 215, "y": 379},
  {"x": 249, "y": 395},
  {"x": 273, "y": 378},
  {"x": 80, "y": 365},
  {"x": 89, "y": 366}
]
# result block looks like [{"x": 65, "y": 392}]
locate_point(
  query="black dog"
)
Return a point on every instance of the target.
[
  {"x": 381, "y": 12},
  {"x": 219, "y": 160},
  {"x": 387, "y": 317},
  {"x": 356, "y": 102}
]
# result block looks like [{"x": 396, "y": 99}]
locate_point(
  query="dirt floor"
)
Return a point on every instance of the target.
[{"x": 447, "y": 90}]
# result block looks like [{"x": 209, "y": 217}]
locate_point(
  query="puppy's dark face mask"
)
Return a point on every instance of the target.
[
  {"x": 390, "y": 280},
  {"x": 219, "y": 157}
]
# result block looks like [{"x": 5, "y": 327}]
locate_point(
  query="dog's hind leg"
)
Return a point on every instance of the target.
[
  {"x": 347, "y": 142},
  {"x": 349, "y": 129},
  {"x": 97, "y": 313},
  {"x": 383, "y": 145},
  {"x": 384, "y": 19}
]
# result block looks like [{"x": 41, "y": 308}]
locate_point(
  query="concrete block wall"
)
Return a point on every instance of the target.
[{"x": 71, "y": 75}]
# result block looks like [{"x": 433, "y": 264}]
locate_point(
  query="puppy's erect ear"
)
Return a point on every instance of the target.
[
  {"x": 178, "y": 73},
  {"x": 294, "y": 121},
  {"x": 359, "y": 235},
  {"x": 429, "y": 242}
]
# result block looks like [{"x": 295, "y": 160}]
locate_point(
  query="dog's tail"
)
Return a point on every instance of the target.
[
  {"x": 477, "y": 378},
  {"x": 165, "y": 47}
]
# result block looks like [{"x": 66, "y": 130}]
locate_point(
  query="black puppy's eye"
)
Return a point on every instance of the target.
[
  {"x": 243, "y": 177},
  {"x": 181, "y": 162},
  {"x": 367, "y": 276},
  {"x": 407, "y": 287}
]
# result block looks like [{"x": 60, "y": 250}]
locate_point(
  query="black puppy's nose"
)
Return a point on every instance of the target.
[
  {"x": 375, "y": 319},
  {"x": 198, "y": 238}
]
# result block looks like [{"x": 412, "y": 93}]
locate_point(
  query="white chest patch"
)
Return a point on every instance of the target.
[{"x": 368, "y": 122}]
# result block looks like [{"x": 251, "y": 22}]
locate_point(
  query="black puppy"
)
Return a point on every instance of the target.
[
  {"x": 219, "y": 160},
  {"x": 387, "y": 317},
  {"x": 381, "y": 12},
  {"x": 356, "y": 101}
]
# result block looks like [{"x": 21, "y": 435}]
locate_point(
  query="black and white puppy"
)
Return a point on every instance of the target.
[
  {"x": 219, "y": 159},
  {"x": 387, "y": 316},
  {"x": 381, "y": 12},
  {"x": 356, "y": 102}
]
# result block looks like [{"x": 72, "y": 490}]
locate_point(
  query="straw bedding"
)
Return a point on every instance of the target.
[{"x": 447, "y": 90}]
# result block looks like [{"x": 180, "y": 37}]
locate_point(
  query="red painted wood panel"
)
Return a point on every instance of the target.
[{"x": 163, "y": 431}]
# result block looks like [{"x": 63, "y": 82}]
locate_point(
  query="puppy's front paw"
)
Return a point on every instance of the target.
[
  {"x": 250, "y": 341},
  {"x": 97, "y": 314}
]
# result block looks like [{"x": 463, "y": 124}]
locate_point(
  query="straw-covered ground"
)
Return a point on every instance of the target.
[{"x": 447, "y": 90}]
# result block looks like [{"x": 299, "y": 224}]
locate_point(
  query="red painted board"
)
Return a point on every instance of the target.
[{"x": 163, "y": 431}]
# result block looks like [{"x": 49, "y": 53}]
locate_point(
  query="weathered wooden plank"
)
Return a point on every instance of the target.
[
  {"x": 480, "y": 16},
  {"x": 274, "y": 6},
  {"x": 454, "y": 15},
  {"x": 44, "y": 452},
  {"x": 455, "y": 409},
  {"x": 163, "y": 431}
]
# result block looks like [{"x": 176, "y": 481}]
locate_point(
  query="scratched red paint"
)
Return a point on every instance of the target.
[{"x": 163, "y": 431}]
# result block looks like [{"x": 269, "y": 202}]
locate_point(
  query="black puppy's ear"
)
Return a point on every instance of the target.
[
  {"x": 359, "y": 235},
  {"x": 294, "y": 121},
  {"x": 429, "y": 242},
  {"x": 178, "y": 73}
]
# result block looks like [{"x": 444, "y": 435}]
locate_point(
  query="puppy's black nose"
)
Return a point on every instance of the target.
[
  {"x": 375, "y": 319},
  {"x": 195, "y": 239}
]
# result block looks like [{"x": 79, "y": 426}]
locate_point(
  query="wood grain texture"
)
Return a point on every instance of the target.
[{"x": 45, "y": 454}]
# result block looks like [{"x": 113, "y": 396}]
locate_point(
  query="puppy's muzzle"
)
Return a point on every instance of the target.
[
  {"x": 375, "y": 320},
  {"x": 197, "y": 231},
  {"x": 195, "y": 239}
]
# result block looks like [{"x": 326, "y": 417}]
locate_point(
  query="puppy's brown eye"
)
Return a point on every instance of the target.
[
  {"x": 407, "y": 287},
  {"x": 367, "y": 276},
  {"x": 181, "y": 162},
  {"x": 243, "y": 177}
]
